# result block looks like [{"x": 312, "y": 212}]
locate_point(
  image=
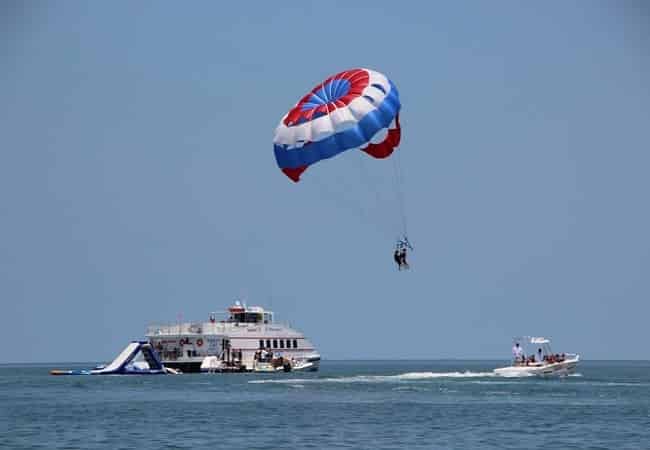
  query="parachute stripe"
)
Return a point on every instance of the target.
[{"x": 385, "y": 148}]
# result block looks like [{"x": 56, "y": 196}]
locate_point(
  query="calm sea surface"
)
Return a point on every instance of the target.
[{"x": 351, "y": 404}]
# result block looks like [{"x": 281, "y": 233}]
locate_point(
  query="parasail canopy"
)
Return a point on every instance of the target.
[{"x": 354, "y": 109}]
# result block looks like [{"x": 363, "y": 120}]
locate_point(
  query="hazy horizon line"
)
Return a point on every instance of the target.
[{"x": 25, "y": 363}]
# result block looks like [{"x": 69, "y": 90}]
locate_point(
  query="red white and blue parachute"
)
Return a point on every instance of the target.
[{"x": 355, "y": 109}]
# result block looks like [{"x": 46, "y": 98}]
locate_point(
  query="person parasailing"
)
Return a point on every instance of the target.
[
  {"x": 356, "y": 110},
  {"x": 397, "y": 256},
  {"x": 400, "y": 253}
]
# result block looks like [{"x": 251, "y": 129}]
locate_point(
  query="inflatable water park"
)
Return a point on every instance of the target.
[{"x": 137, "y": 358}]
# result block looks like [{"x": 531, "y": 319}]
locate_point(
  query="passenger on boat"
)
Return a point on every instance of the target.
[
  {"x": 518, "y": 353},
  {"x": 540, "y": 358}
]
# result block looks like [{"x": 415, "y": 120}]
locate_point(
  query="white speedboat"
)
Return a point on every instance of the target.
[
  {"x": 533, "y": 357},
  {"x": 305, "y": 365},
  {"x": 285, "y": 365}
]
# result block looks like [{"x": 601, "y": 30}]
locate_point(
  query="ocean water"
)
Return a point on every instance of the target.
[{"x": 348, "y": 404}]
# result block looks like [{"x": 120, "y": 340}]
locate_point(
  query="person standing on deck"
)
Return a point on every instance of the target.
[{"x": 517, "y": 352}]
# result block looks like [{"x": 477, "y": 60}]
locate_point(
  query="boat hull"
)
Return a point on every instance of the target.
[
  {"x": 185, "y": 367},
  {"x": 559, "y": 369}
]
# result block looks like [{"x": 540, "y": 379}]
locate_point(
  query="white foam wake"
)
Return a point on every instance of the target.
[
  {"x": 410, "y": 376},
  {"x": 430, "y": 375}
]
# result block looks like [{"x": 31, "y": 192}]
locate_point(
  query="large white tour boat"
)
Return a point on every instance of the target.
[{"x": 235, "y": 341}]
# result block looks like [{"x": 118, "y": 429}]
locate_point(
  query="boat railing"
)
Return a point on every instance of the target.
[
  {"x": 200, "y": 328},
  {"x": 175, "y": 329}
]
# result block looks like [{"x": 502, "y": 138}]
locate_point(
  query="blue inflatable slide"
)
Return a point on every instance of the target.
[{"x": 125, "y": 363}]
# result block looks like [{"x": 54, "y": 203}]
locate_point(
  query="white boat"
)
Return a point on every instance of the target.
[
  {"x": 537, "y": 359},
  {"x": 285, "y": 365},
  {"x": 230, "y": 344},
  {"x": 304, "y": 365}
]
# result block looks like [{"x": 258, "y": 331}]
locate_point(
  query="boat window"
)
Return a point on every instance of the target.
[
  {"x": 268, "y": 343},
  {"x": 288, "y": 343},
  {"x": 295, "y": 343},
  {"x": 281, "y": 343},
  {"x": 247, "y": 317},
  {"x": 261, "y": 343},
  {"x": 275, "y": 343}
]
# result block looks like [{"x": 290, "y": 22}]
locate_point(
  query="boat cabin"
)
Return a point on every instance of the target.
[{"x": 254, "y": 314}]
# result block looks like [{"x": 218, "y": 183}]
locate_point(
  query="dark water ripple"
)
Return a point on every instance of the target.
[{"x": 351, "y": 405}]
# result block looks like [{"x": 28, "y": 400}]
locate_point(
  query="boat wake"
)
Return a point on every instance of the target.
[{"x": 409, "y": 376}]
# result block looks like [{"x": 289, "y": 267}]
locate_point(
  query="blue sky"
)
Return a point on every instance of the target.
[{"x": 137, "y": 178}]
